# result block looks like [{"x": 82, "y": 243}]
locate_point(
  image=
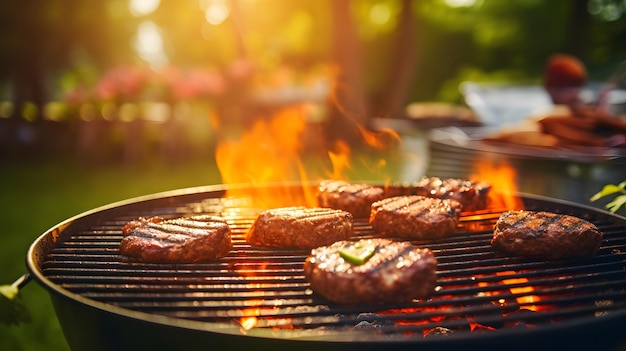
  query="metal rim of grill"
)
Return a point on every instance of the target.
[{"x": 258, "y": 291}]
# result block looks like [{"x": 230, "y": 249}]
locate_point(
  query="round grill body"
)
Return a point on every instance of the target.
[{"x": 258, "y": 296}]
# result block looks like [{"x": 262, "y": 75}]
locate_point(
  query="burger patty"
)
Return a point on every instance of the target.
[
  {"x": 395, "y": 272},
  {"x": 300, "y": 227},
  {"x": 354, "y": 198},
  {"x": 544, "y": 234},
  {"x": 415, "y": 217},
  {"x": 181, "y": 240},
  {"x": 472, "y": 195}
]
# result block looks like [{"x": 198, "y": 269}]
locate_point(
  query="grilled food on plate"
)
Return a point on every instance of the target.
[
  {"x": 300, "y": 227},
  {"x": 415, "y": 217},
  {"x": 545, "y": 235},
  {"x": 371, "y": 271},
  {"x": 180, "y": 240}
]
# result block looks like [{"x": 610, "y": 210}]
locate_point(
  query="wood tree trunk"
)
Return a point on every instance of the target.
[
  {"x": 403, "y": 65},
  {"x": 579, "y": 27},
  {"x": 349, "y": 108}
]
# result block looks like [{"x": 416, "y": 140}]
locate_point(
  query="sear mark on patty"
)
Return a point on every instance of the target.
[
  {"x": 415, "y": 217},
  {"x": 354, "y": 198},
  {"x": 300, "y": 227},
  {"x": 397, "y": 272},
  {"x": 472, "y": 195},
  {"x": 545, "y": 235},
  {"x": 180, "y": 240}
]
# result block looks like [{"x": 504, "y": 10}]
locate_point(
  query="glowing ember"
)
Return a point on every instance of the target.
[
  {"x": 474, "y": 326},
  {"x": 248, "y": 323},
  {"x": 517, "y": 286}
]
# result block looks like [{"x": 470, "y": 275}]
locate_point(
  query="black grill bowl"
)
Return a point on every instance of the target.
[{"x": 257, "y": 297}]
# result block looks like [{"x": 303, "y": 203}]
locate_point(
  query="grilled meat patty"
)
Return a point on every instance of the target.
[
  {"x": 545, "y": 235},
  {"x": 354, "y": 198},
  {"x": 300, "y": 227},
  {"x": 396, "y": 272},
  {"x": 415, "y": 217},
  {"x": 180, "y": 240},
  {"x": 472, "y": 195}
]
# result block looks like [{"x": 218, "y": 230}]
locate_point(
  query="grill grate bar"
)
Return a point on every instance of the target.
[{"x": 266, "y": 287}]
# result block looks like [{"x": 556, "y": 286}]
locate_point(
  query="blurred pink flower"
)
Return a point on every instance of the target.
[
  {"x": 77, "y": 96},
  {"x": 120, "y": 83},
  {"x": 196, "y": 83},
  {"x": 240, "y": 69}
]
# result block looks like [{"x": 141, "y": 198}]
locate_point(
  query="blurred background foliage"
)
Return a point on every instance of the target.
[
  {"x": 52, "y": 47},
  {"x": 72, "y": 61}
]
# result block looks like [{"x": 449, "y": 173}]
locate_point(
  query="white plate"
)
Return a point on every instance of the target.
[{"x": 472, "y": 139}]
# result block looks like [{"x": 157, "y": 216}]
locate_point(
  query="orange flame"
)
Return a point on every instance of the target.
[
  {"x": 270, "y": 152},
  {"x": 502, "y": 178},
  {"x": 266, "y": 153},
  {"x": 340, "y": 160},
  {"x": 380, "y": 140}
]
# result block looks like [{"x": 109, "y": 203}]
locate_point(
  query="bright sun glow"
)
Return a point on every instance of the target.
[
  {"x": 143, "y": 7},
  {"x": 216, "y": 12},
  {"x": 460, "y": 3},
  {"x": 380, "y": 14},
  {"x": 149, "y": 44}
]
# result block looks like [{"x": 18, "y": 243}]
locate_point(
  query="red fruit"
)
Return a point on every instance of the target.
[{"x": 564, "y": 71}]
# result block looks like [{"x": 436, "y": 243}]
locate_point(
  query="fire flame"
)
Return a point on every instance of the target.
[
  {"x": 268, "y": 152},
  {"x": 502, "y": 178},
  {"x": 264, "y": 153},
  {"x": 271, "y": 151},
  {"x": 340, "y": 160}
]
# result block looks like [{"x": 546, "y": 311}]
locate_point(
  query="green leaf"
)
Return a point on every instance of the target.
[
  {"x": 608, "y": 190},
  {"x": 358, "y": 253},
  {"x": 617, "y": 203},
  {"x": 12, "y": 310}
]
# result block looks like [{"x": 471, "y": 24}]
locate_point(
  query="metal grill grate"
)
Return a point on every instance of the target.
[{"x": 256, "y": 287}]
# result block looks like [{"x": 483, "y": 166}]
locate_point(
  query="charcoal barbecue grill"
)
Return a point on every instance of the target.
[{"x": 258, "y": 297}]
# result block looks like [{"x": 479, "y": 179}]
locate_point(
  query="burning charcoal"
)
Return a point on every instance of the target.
[
  {"x": 521, "y": 319},
  {"x": 367, "y": 316},
  {"x": 370, "y": 320},
  {"x": 481, "y": 328},
  {"x": 438, "y": 331},
  {"x": 507, "y": 306}
]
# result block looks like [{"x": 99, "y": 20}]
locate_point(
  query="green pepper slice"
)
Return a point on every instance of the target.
[{"x": 357, "y": 253}]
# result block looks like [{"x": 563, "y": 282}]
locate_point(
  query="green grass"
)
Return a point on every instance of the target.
[{"x": 35, "y": 196}]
